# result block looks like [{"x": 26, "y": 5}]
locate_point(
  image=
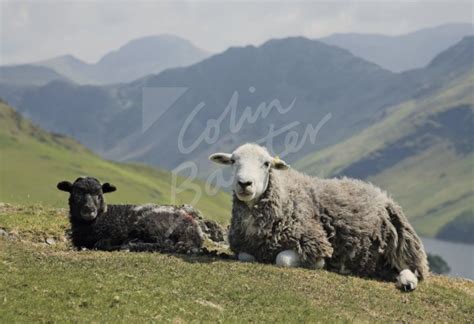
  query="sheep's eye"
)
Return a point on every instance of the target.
[
  {"x": 232, "y": 161},
  {"x": 266, "y": 164}
]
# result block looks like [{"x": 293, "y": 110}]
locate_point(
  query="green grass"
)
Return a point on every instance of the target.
[
  {"x": 53, "y": 283},
  {"x": 33, "y": 161},
  {"x": 431, "y": 196},
  {"x": 433, "y": 186}
]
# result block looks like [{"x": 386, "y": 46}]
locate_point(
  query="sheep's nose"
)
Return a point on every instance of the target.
[
  {"x": 88, "y": 209},
  {"x": 245, "y": 184}
]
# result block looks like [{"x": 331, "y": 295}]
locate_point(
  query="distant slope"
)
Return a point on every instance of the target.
[
  {"x": 148, "y": 55},
  {"x": 136, "y": 59},
  {"x": 403, "y": 52},
  {"x": 32, "y": 161},
  {"x": 28, "y": 75},
  {"x": 422, "y": 152},
  {"x": 72, "y": 67}
]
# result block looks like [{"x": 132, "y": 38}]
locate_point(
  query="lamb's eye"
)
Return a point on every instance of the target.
[
  {"x": 232, "y": 161},
  {"x": 266, "y": 164}
]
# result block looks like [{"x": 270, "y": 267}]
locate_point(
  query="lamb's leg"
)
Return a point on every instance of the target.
[
  {"x": 142, "y": 247},
  {"x": 106, "y": 245},
  {"x": 407, "y": 280},
  {"x": 245, "y": 257},
  {"x": 159, "y": 247}
]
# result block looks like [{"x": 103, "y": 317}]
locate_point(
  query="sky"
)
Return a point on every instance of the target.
[{"x": 36, "y": 30}]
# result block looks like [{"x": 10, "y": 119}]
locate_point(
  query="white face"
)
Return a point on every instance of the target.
[{"x": 251, "y": 166}]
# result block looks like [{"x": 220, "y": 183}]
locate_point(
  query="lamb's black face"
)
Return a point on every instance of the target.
[{"x": 86, "y": 199}]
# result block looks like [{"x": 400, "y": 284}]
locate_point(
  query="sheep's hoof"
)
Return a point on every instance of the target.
[
  {"x": 407, "y": 280},
  {"x": 319, "y": 264},
  {"x": 245, "y": 257},
  {"x": 287, "y": 259}
]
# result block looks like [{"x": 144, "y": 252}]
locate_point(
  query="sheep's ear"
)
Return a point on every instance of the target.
[
  {"x": 65, "y": 186},
  {"x": 279, "y": 164},
  {"x": 221, "y": 158},
  {"x": 107, "y": 187}
]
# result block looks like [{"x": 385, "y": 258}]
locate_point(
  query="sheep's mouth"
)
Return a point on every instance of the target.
[
  {"x": 244, "y": 195},
  {"x": 89, "y": 216}
]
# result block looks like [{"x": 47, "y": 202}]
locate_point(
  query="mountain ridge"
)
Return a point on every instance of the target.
[
  {"x": 324, "y": 80},
  {"x": 135, "y": 59},
  {"x": 28, "y": 74},
  {"x": 404, "y": 52}
]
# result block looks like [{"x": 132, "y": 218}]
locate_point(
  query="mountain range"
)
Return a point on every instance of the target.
[
  {"x": 402, "y": 52},
  {"x": 137, "y": 58},
  {"x": 153, "y": 54},
  {"x": 319, "y": 78}
]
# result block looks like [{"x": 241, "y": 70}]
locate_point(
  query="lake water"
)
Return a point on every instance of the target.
[{"x": 460, "y": 257}]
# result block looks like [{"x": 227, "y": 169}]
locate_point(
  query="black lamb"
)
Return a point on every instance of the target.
[{"x": 164, "y": 228}]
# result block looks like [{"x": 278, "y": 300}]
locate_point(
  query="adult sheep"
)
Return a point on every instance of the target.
[
  {"x": 96, "y": 225},
  {"x": 345, "y": 225}
]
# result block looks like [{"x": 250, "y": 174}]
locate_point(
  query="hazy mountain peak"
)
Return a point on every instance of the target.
[
  {"x": 402, "y": 52},
  {"x": 457, "y": 59},
  {"x": 137, "y": 58},
  {"x": 460, "y": 53},
  {"x": 149, "y": 47},
  {"x": 62, "y": 59}
]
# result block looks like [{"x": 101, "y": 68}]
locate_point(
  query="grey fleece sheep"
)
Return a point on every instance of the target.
[
  {"x": 345, "y": 225},
  {"x": 96, "y": 225}
]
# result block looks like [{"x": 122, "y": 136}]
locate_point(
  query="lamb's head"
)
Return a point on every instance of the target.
[
  {"x": 252, "y": 165},
  {"x": 86, "y": 199}
]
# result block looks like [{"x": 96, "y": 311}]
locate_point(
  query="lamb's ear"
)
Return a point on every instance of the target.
[
  {"x": 221, "y": 158},
  {"x": 107, "y": 187},
  {"x": 279, "y": 164},
  {"x": 64, "y": 186}
]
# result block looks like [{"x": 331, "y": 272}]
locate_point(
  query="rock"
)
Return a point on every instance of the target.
[
  {"x": 3, "y": 233},
  {"x": 50, "y": 241}
]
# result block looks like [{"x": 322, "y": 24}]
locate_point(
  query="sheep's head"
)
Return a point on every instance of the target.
[
  {"x": 86, "y": 199},
  {"x": 251, "y": 166}
]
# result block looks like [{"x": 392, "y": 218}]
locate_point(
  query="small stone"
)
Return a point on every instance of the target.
[
  {"x": 50, "y": 241},
  {"x": 3, "y": 233}
]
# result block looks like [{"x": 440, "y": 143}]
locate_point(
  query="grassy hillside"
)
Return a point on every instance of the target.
[
  {"x": 52, "y": 283},
  {"x": 421, "y": 152},
  {"x": 33, "y": 161}
]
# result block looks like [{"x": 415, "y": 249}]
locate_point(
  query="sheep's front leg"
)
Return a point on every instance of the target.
[
  {"x": 407, "y": 280},
  {"x": 291, "y": 259},
  {"x": 288, "y": 259},
  {"x": 313, "y": 246}
]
